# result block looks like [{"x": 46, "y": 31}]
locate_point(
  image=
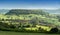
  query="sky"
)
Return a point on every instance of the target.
[{"x": 29, "y": 4}]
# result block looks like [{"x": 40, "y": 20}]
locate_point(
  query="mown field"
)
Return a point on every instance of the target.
[{"x": 21, "y": 33}]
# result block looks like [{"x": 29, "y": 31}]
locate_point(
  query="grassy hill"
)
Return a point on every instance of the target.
[
  {"x": 21, "y": 19},
  {"x": 44, "y": 16}
]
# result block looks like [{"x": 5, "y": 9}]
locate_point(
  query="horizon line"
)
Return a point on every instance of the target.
[{"x": 31, "y": 8}]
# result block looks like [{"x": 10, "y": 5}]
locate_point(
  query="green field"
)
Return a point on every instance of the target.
[{"x": 21, "y": 33}]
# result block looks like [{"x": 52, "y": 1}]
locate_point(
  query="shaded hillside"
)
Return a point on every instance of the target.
[{"x": 24, "y": 11}]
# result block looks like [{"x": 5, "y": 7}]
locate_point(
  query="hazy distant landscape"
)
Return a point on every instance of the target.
[{"x": 56, "y": 11}]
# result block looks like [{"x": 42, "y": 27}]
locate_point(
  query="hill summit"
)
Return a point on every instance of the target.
[{"x": 25, "y": 11}]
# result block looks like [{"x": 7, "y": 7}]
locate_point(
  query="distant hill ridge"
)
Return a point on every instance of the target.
[
  {"x": 6, "y": 11},
  {"x": 24, "y": 11}
]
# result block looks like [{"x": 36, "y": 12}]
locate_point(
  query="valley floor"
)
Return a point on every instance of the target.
[{"x": 21, "y": 33}]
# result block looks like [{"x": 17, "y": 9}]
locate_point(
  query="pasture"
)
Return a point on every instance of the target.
[{"x": 24, "y": 33}]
